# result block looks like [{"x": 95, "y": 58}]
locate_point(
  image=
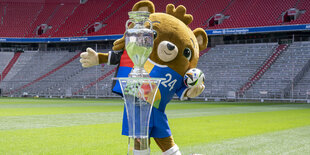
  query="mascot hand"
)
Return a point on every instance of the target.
[
  {"x": 89, "y": 58},
  {"x": 119, "y": 44},
  {"x": 195, "y": 91}
]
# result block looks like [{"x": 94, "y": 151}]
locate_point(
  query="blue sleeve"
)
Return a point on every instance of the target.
[
  {"x": 181, "y": 92},
  {"x": 114, "y": 57}
]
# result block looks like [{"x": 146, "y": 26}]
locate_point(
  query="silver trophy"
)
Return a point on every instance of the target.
[
  {"x": 139, "y": 90},
  {"x": 139, "y": 41}
]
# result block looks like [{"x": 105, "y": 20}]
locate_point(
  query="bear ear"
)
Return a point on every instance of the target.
[
  {"x": 202, "y": 38},
  {"x": 180, "y": 13},
  {"x": 144, "y": 5}
]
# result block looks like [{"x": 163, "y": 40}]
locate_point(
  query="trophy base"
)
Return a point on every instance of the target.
[
  {"x": 139, "y": 146},
  {"x": 139, "y": 95},
  {"x": 139, "y": 72}
]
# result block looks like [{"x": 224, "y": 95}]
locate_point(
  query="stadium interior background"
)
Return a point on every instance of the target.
[{"x": 257, "y": 51}]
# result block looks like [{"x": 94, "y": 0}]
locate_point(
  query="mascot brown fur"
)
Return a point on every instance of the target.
[{"x": 175, "y": 46}]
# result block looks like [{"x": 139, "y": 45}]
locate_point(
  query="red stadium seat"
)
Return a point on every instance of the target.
[{"x": 68, "y": 18}]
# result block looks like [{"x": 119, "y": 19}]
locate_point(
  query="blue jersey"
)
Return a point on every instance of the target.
[{"x": 173, "y": 84}]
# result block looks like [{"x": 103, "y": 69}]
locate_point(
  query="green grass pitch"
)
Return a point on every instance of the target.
[{"x": 88, "y": 126}]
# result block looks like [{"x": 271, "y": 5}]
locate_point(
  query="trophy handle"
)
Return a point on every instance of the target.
[
  {"x": 128, "y": 21},
  {"x": 132, "y": 21},
  {"x": 149, "y": 21}
]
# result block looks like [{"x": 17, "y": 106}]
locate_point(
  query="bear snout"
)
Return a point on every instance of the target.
[{"x": 167, "y": 51}]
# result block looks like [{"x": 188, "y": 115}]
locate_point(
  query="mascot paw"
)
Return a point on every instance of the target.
[
  {"x": 195, "y": 91},
  {"x": 119, "y": 44},
  {"x": 89, "y": 58}
]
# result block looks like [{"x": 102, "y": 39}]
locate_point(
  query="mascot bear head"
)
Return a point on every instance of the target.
[{"x": 175, "y": 44}]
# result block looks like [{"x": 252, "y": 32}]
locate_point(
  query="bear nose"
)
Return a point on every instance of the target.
[{"x": 170, "y": 47}]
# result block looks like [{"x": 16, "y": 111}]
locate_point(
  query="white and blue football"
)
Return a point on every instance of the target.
[{"x": 194, "y": 77}]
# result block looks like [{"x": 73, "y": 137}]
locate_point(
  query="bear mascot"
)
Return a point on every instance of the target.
[{"x": 175, "y": 51}]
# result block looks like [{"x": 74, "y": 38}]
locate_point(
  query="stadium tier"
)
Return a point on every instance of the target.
[
  {"x": 302, "y": 88},
  {"x": 227, "y": 68},
  {"x": 59, "y": 72},
  {"x": 5, "y": 59},
  {"x": 235, "y": 63},
  {"x": 66, "y": 18},
  {"x": 282, "y": 72}
]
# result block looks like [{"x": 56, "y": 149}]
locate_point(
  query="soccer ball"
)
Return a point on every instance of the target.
[{"x": 194, "y": 77}]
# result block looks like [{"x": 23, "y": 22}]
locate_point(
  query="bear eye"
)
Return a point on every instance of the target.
[
  {"x": 155, "y": 34},
  {"x": 187, "y": 53}
]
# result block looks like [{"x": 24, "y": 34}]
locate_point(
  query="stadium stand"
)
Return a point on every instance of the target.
[
  {"x": 66, "y": 18},
  {"x": 251, "y": 14},
  {"x": 58, "y": 73},
  {"x": 19, "y": 65},
  {"x": 265, "y": 66},
  {"x": 10, "y": 65},
  {"x": 23, "y": 18},
  {"x": 117, "y": 26},
  {"x": 227, "y": 67},
  {"x": 298, "y": 87},
  {"x": 49, "y": 61},
  {"x": 303, "y": 5},
  {"x": 5, "y": 59},
  {"x": 83, "y": 16},
  {"x": 268, "y": 70},
  {"x": 302, "y": 89},
  {"x": 92, "y": 86},
  {"x": 282, "y": 72}
]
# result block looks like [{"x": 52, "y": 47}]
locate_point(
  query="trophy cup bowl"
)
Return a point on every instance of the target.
[{"x": 139, "y": 41}]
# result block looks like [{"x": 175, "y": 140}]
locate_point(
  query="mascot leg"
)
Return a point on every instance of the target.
[{"x": 168, "y": 146}]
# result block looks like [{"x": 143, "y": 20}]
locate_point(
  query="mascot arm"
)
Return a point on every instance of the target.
[
  {"x": 114, "y": 57},
  {"x": 92, "y": 58},
  {"x": 103, "y": 58},
  {"x": 182, "y": 93}
]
